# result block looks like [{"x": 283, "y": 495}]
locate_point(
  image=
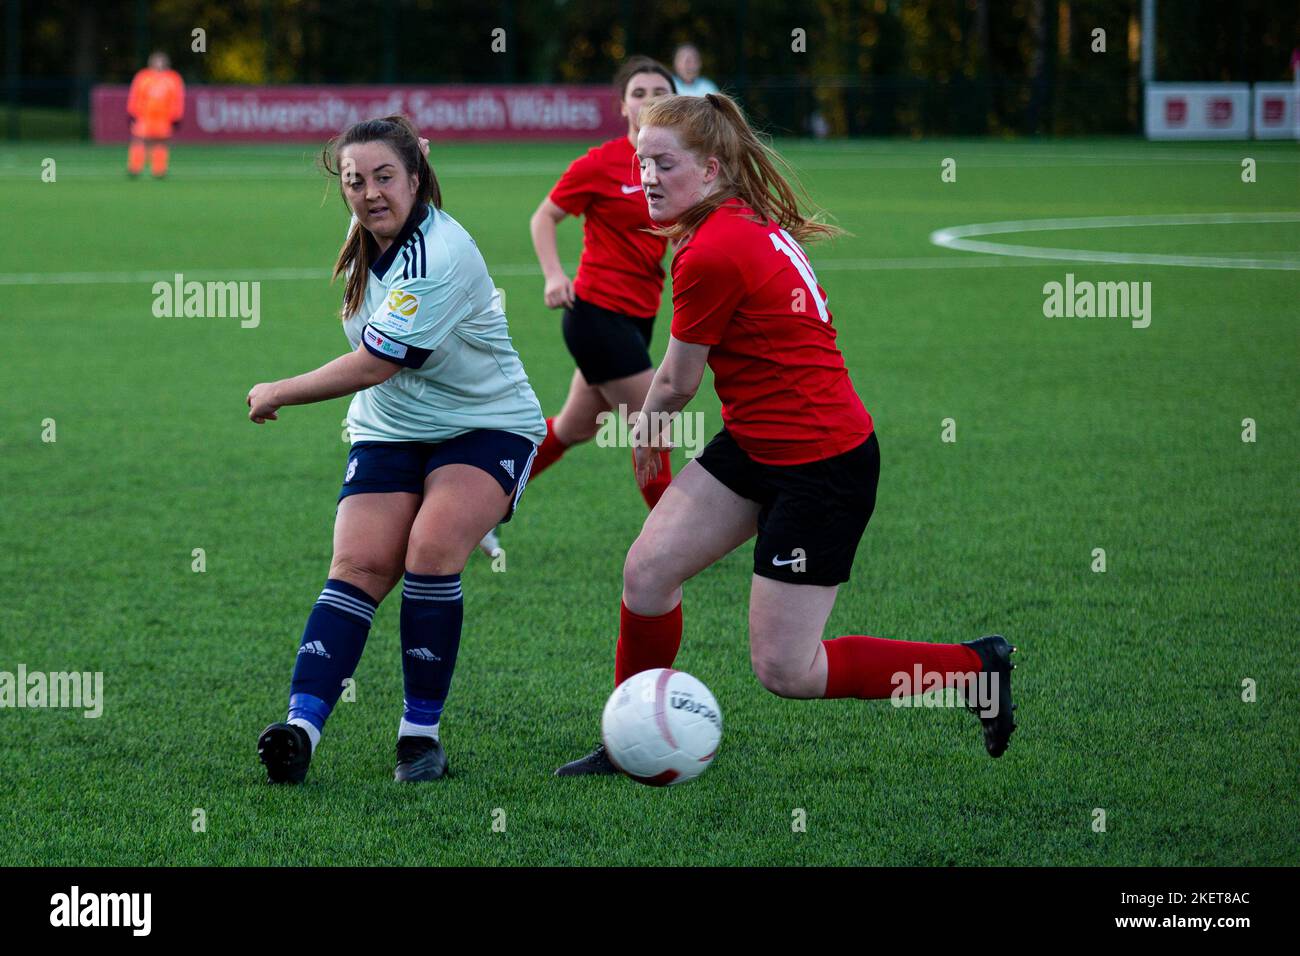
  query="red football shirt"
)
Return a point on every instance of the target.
[
  {"x": 747, "y": 290},
  {"x": 620, "y": 268}
]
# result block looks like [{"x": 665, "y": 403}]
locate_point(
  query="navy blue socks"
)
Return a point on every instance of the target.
[
  {"x": 432, "y": 611},
  {"x": 332, "y": 643}
]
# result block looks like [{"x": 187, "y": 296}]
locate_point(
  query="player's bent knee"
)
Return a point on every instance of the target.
[
  {"x": 577, "y": 434},
  {"x": 437, "y": 557},
  {"x": 781, "y": 679},
  {"x": 646, "y": 577},
  {"x": 375, "y": 578}
]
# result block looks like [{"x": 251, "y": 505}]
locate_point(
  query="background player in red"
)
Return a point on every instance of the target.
[
  {"x": 609, "y": 308},
  {"x": 797, "y": 461},
  {"x": 156, "y": 104}
]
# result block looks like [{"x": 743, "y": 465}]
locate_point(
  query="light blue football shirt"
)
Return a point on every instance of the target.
[
  {"x": 700, "y": 86},
  {"x": 431, "y": 307}
]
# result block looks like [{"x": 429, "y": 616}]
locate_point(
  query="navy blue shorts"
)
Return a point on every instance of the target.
[{"x": 386, "y": 466}]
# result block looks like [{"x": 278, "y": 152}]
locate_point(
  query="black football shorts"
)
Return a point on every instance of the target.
[
  {"x": 606, "y": 345},
  {"x": 813, "y": 515}
]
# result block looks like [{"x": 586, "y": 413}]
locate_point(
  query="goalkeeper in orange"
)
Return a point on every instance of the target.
[{"x": 155, "y": 104}]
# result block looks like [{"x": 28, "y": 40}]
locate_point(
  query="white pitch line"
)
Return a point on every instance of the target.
[
  {"x": 509, "y": 270},
  {"x": 158, "y": 275},
  {"x": 914, "y": 262},
  {"x": 200, "y": 275},
  {"x": 822, "y": 156},
  {"x": 829, "y": 163},
  {"x": 955, "y": 237}
]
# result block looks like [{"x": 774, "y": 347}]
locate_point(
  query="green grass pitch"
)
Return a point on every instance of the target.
[{"x": 1072, "y": 434}]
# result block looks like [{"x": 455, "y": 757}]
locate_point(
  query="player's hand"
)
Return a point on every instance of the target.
[
  {"x": 645, "y": 457},
  {"x": 646, "y": 461},
  {"x": 262, "y": 404},
  {"x": 424, "y": 147},
  {"x": 559, "y": 292}
]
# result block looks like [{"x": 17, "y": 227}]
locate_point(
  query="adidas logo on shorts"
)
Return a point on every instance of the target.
[
  {"x": 509, "y": 465},
  {"x": 315, "y": 647},
  {"x": 423, "y": 653}
]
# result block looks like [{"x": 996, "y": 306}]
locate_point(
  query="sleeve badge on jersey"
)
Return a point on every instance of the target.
[
  {"x": 384, "y": 344},
  {"x": 400, "y": 308}
]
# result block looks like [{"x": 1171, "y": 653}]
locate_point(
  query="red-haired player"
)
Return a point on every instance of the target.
[
  {"x": 610, "y": 306},
  {"x": 797, "y": 460}
]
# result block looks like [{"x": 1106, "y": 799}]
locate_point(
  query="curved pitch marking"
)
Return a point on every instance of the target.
[{"x": 957, "y": 237}]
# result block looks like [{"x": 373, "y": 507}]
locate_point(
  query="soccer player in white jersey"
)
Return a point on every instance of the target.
[{"x": 444, "y": 427}]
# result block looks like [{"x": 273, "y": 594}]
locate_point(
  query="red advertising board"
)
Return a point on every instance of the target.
[
  {"x": 1218, "y": 112},
  {"x": 315, "y": 113}
]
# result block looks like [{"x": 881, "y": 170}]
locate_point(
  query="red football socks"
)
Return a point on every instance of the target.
[
  {"x": 549, "y": 452},
  {"x": 865, "y": 667},
  {"x": 135, "y": 154},
  {"x": 655, "y": 488},
  {"x": 158, "y": 157},
  {"x": 645, "y": 643}
]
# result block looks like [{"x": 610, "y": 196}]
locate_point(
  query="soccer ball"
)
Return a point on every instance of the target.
[{"x": 661, "y": 727}]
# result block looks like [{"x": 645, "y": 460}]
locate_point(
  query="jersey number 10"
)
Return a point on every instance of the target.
[{"x": 785, "y": 243}]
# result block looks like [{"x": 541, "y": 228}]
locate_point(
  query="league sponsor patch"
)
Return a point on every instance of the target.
[
  {"x": 383, "y": 343},
  {"x": 400, "y": 308}
]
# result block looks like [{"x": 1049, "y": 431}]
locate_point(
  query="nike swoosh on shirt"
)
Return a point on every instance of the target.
[{"x": 631, "y": 189}]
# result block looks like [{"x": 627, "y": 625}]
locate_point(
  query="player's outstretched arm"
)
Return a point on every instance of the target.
[
  {"x": 346, "y": 374},
  {"x": 675, "y": 383}
]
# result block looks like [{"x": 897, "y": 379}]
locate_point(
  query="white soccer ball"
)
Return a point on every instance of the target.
[{"x": 661, "y": 727}]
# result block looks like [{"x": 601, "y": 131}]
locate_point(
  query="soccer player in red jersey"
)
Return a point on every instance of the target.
[
  {"x": 609, "y": 308},
  {"x": 797, "y": 461}
]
